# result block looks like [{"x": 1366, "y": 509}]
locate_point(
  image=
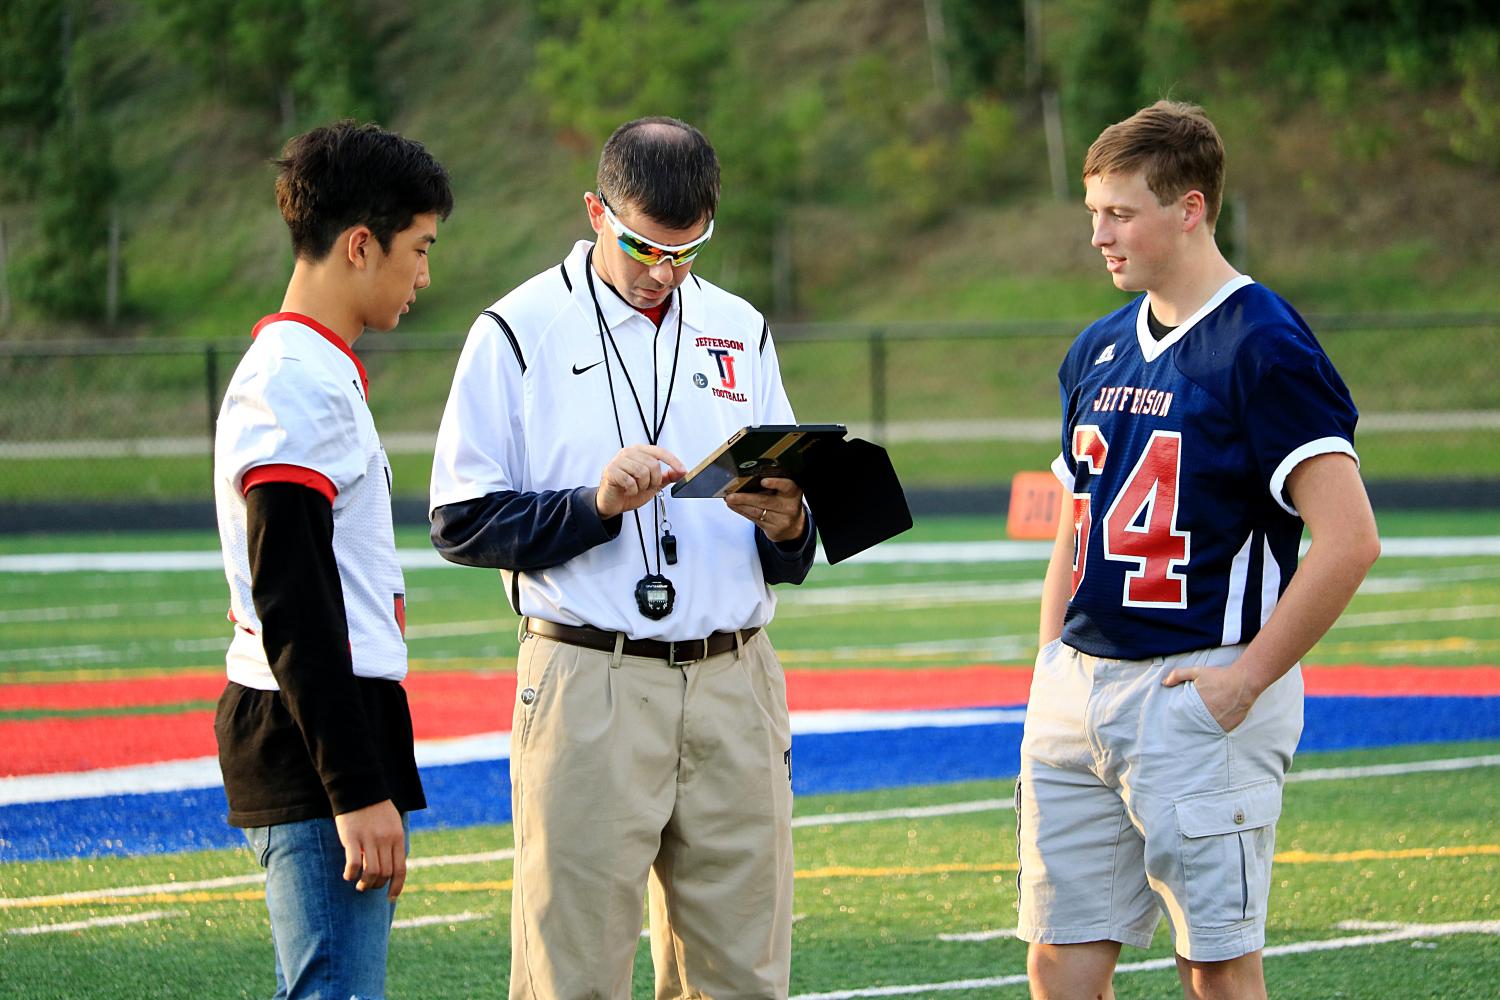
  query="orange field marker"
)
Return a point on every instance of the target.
[{"x": 1035, "y": 505}]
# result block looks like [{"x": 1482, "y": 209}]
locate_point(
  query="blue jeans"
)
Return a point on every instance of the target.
[{"x": 330, "y": 938}]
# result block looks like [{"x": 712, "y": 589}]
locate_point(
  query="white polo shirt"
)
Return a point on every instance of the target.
[
  {"x": 552, "y": 426},
  {"x": 295, "y": 411}
]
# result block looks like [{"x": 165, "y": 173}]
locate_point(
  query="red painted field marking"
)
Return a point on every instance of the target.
[
  {"x": 165, "y": 690},
  {"x": 451, "y": 703},
  {"x": 1358, "y": 681}
]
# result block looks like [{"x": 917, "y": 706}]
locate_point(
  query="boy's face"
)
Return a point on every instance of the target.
[
  {"x": 643, "y": 286},
  {"x": 1138, "y": 236},
  {"x": 397, "y": 276}
]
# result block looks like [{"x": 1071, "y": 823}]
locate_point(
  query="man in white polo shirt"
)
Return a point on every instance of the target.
[
  {"x": 315, "y": 739},
  {"x": 651, "y": 742}
]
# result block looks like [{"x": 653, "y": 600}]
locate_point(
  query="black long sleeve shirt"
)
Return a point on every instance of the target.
[
  {"x": 328, "y": 742},
  {"x": 532, "y": 531}
]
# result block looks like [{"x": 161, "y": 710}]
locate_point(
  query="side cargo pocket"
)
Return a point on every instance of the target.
[{"x": 1228, "y": 838}]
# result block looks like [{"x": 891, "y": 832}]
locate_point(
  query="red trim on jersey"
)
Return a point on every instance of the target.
[
  {"x": 327, "y": 334},
  {"x": 237, "y": 622},
  {"x": 295, "y": 474}
]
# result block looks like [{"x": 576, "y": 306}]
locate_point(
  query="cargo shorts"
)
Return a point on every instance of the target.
[{"x": 1133, "y": 803}]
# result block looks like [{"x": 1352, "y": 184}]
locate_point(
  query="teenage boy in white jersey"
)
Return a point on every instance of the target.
[
  {"x": 1203, "y": 426},
  {"x": 651, "y": 739},
  {"x": 315, "y": 738}
]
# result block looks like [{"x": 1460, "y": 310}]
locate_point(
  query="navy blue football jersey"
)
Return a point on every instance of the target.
[{"x": 1177, "y": 453}]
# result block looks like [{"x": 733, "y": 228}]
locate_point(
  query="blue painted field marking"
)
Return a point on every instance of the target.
[{"x": 478, "y": 792}]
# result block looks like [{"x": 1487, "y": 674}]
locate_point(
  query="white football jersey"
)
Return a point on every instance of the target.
[
  {"x": 534, "y": 407},
  {"x": 296, "y": 411}
]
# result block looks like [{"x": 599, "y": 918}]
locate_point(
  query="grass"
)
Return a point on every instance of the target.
[
  {"x": 1435, "y": 456},
  {"x": 140, "y": 402},
  {"x": 872, "y": 898},
  {"x": 1425, "y": 610},
  {"x": 204, "y": 252}
]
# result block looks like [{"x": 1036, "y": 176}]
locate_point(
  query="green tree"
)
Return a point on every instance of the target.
[
  {"x": 1099, "y": 69},
  {"x": 32, "y": 77},
  {"x": 306, "y": 61},
  {"x": 61, "y": 169},
  {"x": 65, "y": 275},
  {"x": 986, "y": 45},
  {"x": 701, "y": 68},
  {"x": 593, "y": 80}
]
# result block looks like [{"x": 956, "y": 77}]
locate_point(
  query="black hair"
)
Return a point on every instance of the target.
[
  {"x": 662, "y": 167},
  {"x": 345, "y": 174}
]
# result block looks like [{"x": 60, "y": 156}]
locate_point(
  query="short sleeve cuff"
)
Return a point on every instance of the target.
[
  {"x": 295, "y": 474},
  {"x": 1062, "y": 472},
  {"x": 1322, "y": 446}
]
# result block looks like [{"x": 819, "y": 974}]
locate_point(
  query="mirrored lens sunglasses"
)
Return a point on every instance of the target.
[{"x": 643, "y": 250}]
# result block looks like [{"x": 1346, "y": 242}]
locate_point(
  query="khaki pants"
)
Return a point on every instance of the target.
[{"x": 625, "y": 771}]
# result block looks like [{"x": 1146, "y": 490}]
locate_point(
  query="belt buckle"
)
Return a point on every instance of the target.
[{"x": 673, "y": 660}]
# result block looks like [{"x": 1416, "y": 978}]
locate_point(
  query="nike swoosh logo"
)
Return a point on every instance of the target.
[{"x": 580, "y": 371}]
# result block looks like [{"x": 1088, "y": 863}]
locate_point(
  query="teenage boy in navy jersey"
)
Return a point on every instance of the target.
[
  {"x": 1203, "y": 426},
  {"x": 315, "y": 738}
]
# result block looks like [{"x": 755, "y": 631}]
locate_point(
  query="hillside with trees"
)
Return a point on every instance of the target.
[{"x": 883, "y": 159}]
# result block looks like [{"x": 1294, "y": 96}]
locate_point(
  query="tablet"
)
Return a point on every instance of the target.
[{"x": 739, "y": 464}]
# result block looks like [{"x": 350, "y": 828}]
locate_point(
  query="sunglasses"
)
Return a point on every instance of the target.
[{"x": 643, "y": 250}]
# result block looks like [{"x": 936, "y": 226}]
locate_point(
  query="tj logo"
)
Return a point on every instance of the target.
[{"x": 726, "y": 366}]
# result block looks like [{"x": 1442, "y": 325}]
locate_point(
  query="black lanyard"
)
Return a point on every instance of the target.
[{"x": 653, "y": 428}]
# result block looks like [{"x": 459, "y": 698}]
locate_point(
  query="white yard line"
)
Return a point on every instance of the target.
[
  {"x": 992, "y": 429},
  {"x": 1000, "y": 647},
  {"x": 1403, "y": 582},
  {"x": 83, "y": 925},
  {"x": 1397, "y": 932},
  {"x": 94, "y": 651},
  {"x": 229, "y": 882},
  {"x": 437, "y": 919},
  {"x": 908, "y": 595},
  {"x": 1394, "y": 770},
  {"x": 853, "y": 721},
  {"x": 971, "y": 936},
  {"x": 115, "y": 892},
  {"x": 70, "y": 612},
  {"x": 1372, "y": 619},
  {"x": 811, "y": 600},
  {"x": 203, "y": 772},
  {"x": 448, "y": 630},
  {"x": 914, "y": 812},
  {"x": 902, "y": 553}
]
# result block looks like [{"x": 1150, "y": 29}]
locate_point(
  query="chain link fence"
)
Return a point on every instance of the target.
[{"x": 962, "y": 407}]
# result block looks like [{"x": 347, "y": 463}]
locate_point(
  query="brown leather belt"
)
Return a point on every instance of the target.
[{"x": 675, "y": 653}]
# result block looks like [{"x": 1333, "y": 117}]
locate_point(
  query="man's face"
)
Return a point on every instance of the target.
[
  {"x": 643, "y": 286},
  {"x": 1138, "y": 236},
  {"x": 397, "y": 276}
]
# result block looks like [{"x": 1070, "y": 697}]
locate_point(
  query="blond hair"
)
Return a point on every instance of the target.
[{"x": 1173, "y": 144}]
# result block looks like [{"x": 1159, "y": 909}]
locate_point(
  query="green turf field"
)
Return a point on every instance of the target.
[
  {"x": 1412, "y": 854},
  {"x": 1417, "y": 610},
  {"x": 1437, "y": 455}
]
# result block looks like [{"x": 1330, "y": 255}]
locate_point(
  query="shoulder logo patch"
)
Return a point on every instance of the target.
[{"x": 1108, "y": 354}]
